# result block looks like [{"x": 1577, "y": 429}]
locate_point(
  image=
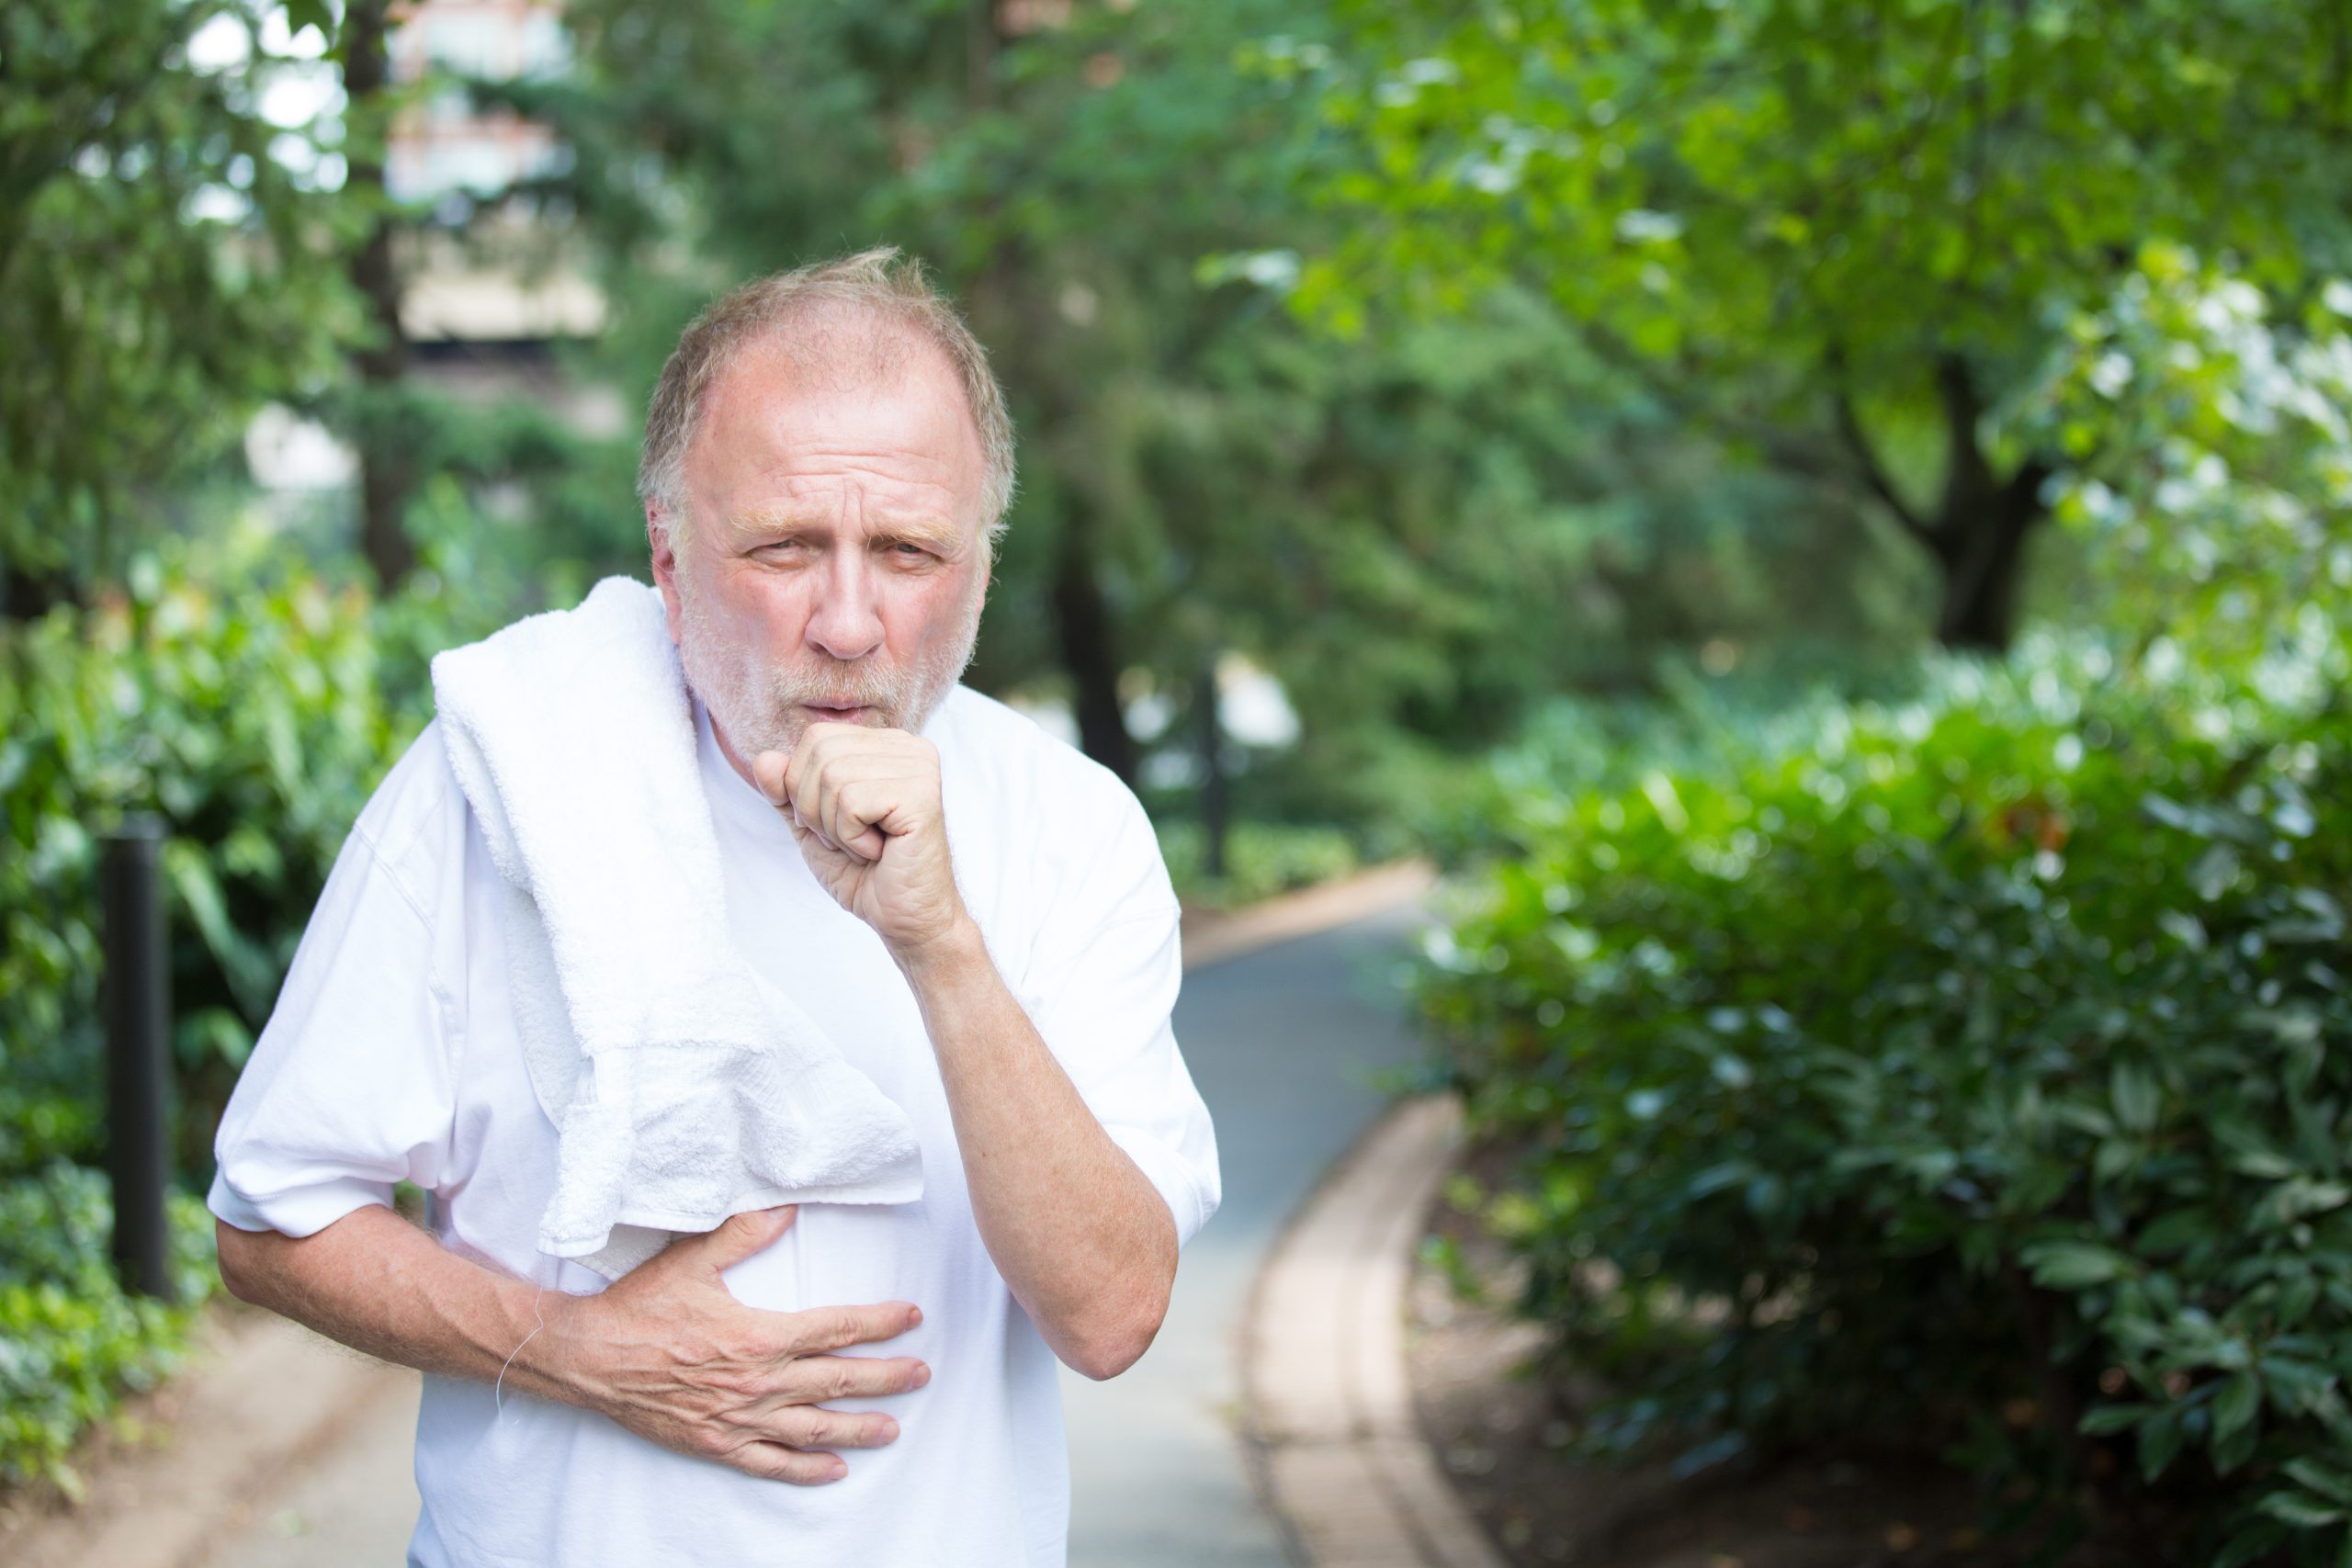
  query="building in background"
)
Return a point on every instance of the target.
[
  {"x": 486, "y": 293},
  {"x": 483, "y": 309}
]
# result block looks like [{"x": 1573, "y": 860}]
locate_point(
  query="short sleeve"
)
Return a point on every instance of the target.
[
  {"x": 1102, "y": 991},
  {"x": 350, "y": 1088}
]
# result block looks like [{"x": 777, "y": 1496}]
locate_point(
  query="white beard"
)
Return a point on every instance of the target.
[{"x": 758, "y": 707}]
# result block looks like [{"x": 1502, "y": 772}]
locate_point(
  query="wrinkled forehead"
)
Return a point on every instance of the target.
[{"x": 841, "y": 384}]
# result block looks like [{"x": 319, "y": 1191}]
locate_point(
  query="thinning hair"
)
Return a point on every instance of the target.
[{"x": 868, "y": 305}]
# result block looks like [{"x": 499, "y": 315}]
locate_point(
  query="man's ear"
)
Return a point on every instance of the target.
[{"x": 665, "y": 562}]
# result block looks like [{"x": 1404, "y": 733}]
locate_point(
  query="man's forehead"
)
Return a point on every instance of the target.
[
  {"x": 805, "y": 413},
  {"x": 832, "y": 346}
]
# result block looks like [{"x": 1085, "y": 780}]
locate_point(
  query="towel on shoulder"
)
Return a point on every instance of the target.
[{"x": 684, "y": 1087}]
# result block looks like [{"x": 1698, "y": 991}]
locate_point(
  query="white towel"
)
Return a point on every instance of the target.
[{"x": 684, "y": 1087}]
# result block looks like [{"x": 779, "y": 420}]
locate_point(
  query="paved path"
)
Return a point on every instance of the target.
[{"x": 1284, "y": 1043}]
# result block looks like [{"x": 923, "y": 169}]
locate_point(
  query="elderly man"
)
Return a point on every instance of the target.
[{"x": 976, "y": 913}]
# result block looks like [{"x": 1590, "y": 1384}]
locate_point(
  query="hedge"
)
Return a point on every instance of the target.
[
  {"x": 1967, "y": 1073},
  {"x": 253, "y": 721}
]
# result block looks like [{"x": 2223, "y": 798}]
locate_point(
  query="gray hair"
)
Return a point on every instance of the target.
[{"x": 888, "y": 290}]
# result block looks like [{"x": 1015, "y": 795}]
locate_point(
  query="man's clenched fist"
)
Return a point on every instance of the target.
[{"x": 865, "y": 805}]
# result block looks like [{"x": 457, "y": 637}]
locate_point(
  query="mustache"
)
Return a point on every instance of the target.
[{"x": 787, "y": 689}]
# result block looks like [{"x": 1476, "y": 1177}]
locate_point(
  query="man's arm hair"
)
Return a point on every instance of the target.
[
  {"x": 375, "y": 1282},
  {"x": 666, "y": 1352},
  {"x": 1082, "y": 1238}
]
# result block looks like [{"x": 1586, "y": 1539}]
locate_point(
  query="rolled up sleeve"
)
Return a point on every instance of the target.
[{"x": 350, "y": 1088}]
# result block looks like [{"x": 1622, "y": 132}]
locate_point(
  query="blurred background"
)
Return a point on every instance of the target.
[{"x": 1831, "y": 522}]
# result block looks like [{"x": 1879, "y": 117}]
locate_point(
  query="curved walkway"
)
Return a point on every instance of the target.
[
  {"x": 1330, "y": 1404},
  {"x": 1286, "y": 1045}
]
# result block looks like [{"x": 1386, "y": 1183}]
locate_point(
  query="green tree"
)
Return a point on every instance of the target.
[
  {"x": 1418, "y": 533},
  {"x": 166, "y": 262},
  {"x": 1844, "y": 234}
]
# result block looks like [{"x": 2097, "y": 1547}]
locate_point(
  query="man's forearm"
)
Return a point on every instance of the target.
[
  {"x": 1082, "y": 1236},
  {"x": 667, "y": 1352},
  {"x": 375, "y": 1282}
]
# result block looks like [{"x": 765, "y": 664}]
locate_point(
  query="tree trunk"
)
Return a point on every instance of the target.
[
  {"x": 386, "y": 473},
  {"x": 1983, "y": 568},
  {"x": 1083, "y": 621},
  {"x": 27, "y": 594},
  {"x": 1977, "y": 533}
]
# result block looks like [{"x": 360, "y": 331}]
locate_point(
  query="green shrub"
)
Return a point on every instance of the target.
[
  {"x": 1968, "y": 1072},
  {"x": 253, "y": 721},
  {"x": 71, "y": 1339}
]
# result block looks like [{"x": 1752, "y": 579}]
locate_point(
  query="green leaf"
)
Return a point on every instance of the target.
[
  {"x": 2250, "y": 1542},
  {"x": 2074, "y": 1265},
  {"x": 2232, "y": 1451},
  {"x": 2132, "y": 1091},
  {"x": 2236, "y": 1404},
  {"x": 2300, "y": 1510},
  {"x": 2317, "y": 1476},
  {"x": 2160, "y": 1440},
  {"x": 2102, "y": 1420},
  {"x": 300, "y": 14}
]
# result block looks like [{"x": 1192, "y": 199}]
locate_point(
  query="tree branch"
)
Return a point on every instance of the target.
[{"x": 1874, "y": 474}]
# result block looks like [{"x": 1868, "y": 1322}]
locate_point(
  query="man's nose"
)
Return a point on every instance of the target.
[{"x": 846, "y": 621}]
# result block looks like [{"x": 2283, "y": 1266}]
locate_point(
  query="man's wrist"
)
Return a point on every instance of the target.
[
  {"x": 952, "y": 954},
  {"x": 553, "y": 1346}
]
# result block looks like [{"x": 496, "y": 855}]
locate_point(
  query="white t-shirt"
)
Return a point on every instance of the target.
[{"x": 392, "y": 1055}]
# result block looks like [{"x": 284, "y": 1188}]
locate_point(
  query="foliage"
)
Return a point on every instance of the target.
[
  {"x": 70, "y": 1340},
  {"x": 2213, "y": 478},
  {"x": 1419, "y": 533},
  {"x": 1969, "y": 1070},
  {"x": 1846, "y": 233},
  {"x": 252, "y": 721},
  {"x": 166, "y": 262}
]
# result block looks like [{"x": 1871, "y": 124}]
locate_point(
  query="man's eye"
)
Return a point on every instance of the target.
[{"x": 903, "y": 548}]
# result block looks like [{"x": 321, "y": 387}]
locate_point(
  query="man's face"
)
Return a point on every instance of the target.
[{"x": 833, "y": 567}]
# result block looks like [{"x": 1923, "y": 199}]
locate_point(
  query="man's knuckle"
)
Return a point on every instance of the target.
[{"x": 808, "y": 1469}]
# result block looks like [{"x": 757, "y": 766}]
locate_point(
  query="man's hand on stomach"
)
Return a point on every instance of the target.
[{"x": 670, "y": 1354}]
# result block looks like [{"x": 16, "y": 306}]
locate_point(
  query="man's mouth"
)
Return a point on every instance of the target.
[{"x": 851, "y": 711}]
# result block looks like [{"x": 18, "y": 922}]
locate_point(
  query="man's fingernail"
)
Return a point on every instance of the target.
[
  {"x": 914, "y": 1316},
  {"x": 836, "y": 1471},
  {"x": 922, "y": 1376}
]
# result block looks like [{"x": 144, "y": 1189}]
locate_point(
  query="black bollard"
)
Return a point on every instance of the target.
[{"x": 138, "y": 1012}]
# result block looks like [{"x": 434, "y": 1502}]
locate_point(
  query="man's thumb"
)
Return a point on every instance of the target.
[
  {"x": 739, "y": 1236},
  {"x": 768, "y": 771}
]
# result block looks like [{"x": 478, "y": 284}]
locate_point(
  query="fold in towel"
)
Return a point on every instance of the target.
[{"x": 683, "y": 1086}]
